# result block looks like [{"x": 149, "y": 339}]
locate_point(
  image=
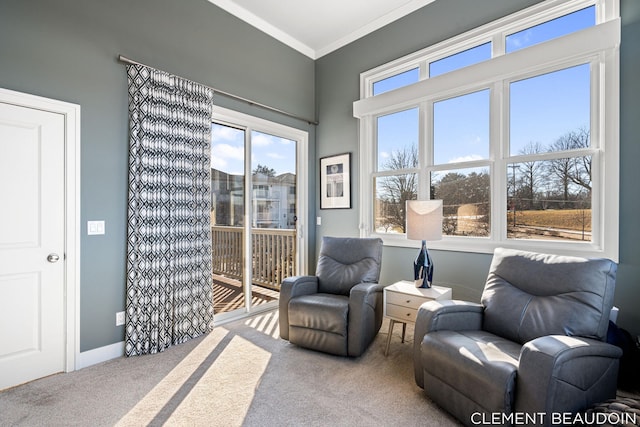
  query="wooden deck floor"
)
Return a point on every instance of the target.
[{"x": 228, "y": 295}]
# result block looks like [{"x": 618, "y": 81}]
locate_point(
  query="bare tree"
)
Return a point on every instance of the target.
[
  {"x": 571, "y": 170},
  {"x": 531, "y": 175},
  {"x": 581, "y": 170},
  {"x": 395, "y": 190}
]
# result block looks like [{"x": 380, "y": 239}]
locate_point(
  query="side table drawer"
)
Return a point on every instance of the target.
[
  {"x": 406, "y": 300},
  {"x": 401, "y": 313}
]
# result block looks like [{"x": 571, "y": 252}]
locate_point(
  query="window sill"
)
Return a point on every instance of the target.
[{"x": 487, "y": 246}]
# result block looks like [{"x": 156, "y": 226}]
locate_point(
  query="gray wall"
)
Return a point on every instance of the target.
[
  {"x": 337, "y": 87},
  {"x": 67, "y": 50}
]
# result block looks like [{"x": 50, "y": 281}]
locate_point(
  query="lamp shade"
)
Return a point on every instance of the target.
[{"x": 424, "y": 219}]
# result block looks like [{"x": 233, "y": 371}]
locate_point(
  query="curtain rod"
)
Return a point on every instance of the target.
[{"x": 126, "y": 60}]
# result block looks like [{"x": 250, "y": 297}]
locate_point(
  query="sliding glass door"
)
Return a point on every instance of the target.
[{"x": 256, "y": 234}]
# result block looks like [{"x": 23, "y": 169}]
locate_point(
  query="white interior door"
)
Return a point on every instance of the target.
[{"x": 32, "y": 242}]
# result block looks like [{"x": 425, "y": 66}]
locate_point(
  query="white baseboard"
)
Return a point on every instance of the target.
[
  {"x": 113, "y": 351},
  {"x": 99, "y": 355}
]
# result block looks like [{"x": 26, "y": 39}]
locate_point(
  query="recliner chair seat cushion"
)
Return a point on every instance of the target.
[
  {"x": 325, "y": 312},
  {"x": 319, "y": 322},
  {"x": 477, "y": 364}
]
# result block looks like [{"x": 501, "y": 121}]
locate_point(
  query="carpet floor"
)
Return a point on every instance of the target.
[{"x": 240, "y": 374}]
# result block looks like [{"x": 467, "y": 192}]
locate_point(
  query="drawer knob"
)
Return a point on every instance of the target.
[{"x": 408, "y": 301}]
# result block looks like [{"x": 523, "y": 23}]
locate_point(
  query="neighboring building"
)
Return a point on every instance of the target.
[{"x": 273, "y": 199}]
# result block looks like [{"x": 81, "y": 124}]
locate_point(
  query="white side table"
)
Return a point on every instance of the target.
[{"x": 402, "y": 300}]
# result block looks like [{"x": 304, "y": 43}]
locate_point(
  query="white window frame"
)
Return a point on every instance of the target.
[{"x": 597, "y": 45}]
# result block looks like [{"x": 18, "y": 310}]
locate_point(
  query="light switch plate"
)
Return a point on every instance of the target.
[
  {"x": 95, "y": 227},
  {"x": 120, "y": 318}
]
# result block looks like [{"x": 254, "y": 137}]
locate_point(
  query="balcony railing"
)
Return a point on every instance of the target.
[{"x": 273, "y": 254}]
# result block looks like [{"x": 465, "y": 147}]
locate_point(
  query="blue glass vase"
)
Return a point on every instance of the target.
[{"x": 423, "y": 268}]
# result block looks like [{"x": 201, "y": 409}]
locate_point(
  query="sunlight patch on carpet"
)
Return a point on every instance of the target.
[
  {"x": 266, "y": 323},
  {"x": 201, "y": 389}
]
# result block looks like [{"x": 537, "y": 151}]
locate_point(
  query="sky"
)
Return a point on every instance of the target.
[
  {"x": 559, "y": 100},
  {"x": 228, "y": 151}
]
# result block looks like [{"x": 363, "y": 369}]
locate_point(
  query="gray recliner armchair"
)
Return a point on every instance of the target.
[
  {"x": 339, "y": 310},
  {"x": 535, "y": 345}
]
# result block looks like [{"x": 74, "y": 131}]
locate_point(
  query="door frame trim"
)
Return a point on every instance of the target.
[{"x": 71, "y": 113}]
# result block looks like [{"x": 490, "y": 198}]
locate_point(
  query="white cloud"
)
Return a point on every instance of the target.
[
  {"x": 469, "y": 158},
  {"x": 226, "y": 151},
  {"x": 262, "y": 140},
  {"x": 218, "y": 163},
  {"x": 225, "y": 133},
  {"x": 522, "y": 39},
  {"x": 227, "y": 158}
]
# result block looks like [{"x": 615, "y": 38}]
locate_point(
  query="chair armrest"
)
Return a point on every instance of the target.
[
  {"x": 555, "y": 372},
  {"x": 439, "y": 315},
  {"x": 453, "y": 315},
  {"x": 292, "y": 287},
  {"x": 365, "y": 316},
  {"x": 365, "y": 293}
]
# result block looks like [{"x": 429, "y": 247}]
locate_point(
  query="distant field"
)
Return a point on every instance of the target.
[{"x": 569, "y": 219}]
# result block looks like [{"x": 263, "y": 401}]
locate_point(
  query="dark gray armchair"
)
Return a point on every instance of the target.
[
  {"x": 339, "y": 310},
  {"x": 535, "y": 346}
]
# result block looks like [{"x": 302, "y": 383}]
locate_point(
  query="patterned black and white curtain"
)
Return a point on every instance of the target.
[{"x": 169, "y": 285}]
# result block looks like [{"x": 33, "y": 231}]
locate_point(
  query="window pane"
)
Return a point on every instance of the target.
[
  {"x": 398, "y": 140},
  {"x": 394, "y": 82},
  {"x": 547, "y": 108},
  {"x": 391, "y": 195},
  {"x": 461, "y": 128},
  {"x": 273, "y": 176},
  {"x": 466, "y": 201},
  {"x": 551, "y": 29},
  {"x": 227, "y": 175},
  {"x": 550, "y": 200},
  {"x": 460, "y": 60}
]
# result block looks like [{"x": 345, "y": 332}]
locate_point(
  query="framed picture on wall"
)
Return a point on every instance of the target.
[{"x": 335, "y": 182}]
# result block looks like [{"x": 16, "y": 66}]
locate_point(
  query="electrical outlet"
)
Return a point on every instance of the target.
[{"x": 120, "y": 318}]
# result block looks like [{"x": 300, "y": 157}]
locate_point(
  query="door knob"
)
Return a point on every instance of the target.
[{"x": 53, "y": 258}]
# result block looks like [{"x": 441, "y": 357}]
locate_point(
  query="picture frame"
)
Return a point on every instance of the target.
[{"x": 335, "y": 181}]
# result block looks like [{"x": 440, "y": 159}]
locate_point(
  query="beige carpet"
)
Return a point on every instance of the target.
[{"x": 241, "y": 374}]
